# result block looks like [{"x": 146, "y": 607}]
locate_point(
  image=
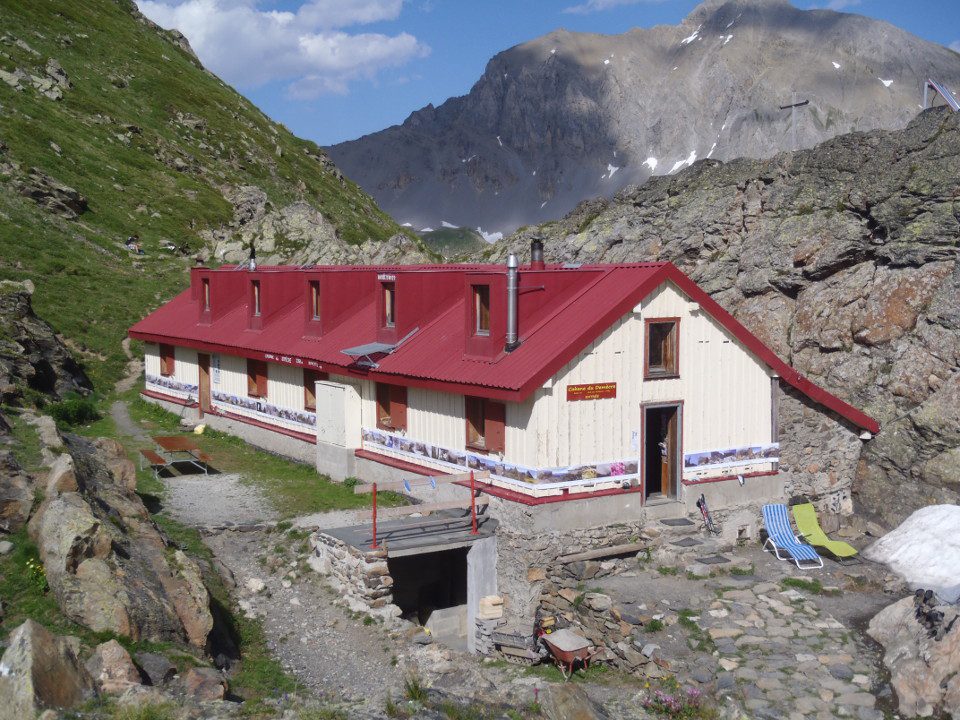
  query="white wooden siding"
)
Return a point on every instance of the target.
[
  {"x": 724, "y": 388},
  {"x": 285, "y": 386},
  {"x": 186, "y": 369},
  {"x": 151, "y": 359}
]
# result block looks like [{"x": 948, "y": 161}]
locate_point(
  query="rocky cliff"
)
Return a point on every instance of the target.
[
  {"x": 842, "y": 258},
  {"x": 569, "y": 116},
  {"x": 31, "y": 355},
  {"x": 110, "y": 128}
]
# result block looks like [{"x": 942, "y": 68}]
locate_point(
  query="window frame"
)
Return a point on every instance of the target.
[
  {"x": 256, "y": 298},
  {"x": 310, "y": 379},
  {"x": 257, "y": 382},
  {"x": 493, "y": 416},
  {"x": 481, "y": 310},
  {"x": 392, "y": 398},
  {"x": 474, "y": 410},
  {"x": 388, "y": 290},
  {"x": 664, "y": 371},
  {"x": 168, "y": 360},
  {"x": 314, "y": 299}
]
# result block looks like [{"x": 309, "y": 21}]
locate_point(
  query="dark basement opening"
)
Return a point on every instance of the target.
[{"x": 431, "y": 590}]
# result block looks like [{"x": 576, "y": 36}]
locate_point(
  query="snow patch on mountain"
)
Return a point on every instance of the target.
[
  {"x": 651, "y": 162},
  {"x": 726, "y": 39},
  {"x": 407, "y": 225},
  {"x": 836, "y": 65},
  {"x": 444, "y": 223},
  {"x": 690, "y": 38},
  {"x": 611, "y": 169},
  {"x": 426, "y": 229},
  {"x": 712, "y": 148},
  {"x": 689, "y": 160},
  {"x": 886, "y": 83}
]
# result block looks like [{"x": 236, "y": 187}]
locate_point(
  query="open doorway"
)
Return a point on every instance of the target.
[
  {"x": 431, "y": 590},
  {"x": 661, "y": 451}
]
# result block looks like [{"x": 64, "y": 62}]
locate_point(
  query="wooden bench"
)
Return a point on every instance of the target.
[{"x": 156, "y": 461}]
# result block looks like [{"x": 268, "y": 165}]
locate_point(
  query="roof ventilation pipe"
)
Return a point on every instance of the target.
[
  {"x": 513, "y": 282},
  {"x": 536, "y": 255}
]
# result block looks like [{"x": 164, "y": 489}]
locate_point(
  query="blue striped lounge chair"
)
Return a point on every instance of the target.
[{"x": 781, "y": 539}]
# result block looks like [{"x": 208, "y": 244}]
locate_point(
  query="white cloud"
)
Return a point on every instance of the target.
[
  {"x": 592, "y": 6},
  {"x": 841, "y": 4},
  {"x": 309, "y": 48}
]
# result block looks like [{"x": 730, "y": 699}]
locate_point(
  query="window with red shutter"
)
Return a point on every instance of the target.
[
  {"x": 167, "y": 360},
  {"x": 485, "y": 424},
  {"x": 496, "y": 421},
  {"x": 256, "y": 378},
  {"x": 391, "y": 407},
  {"x": 398, "y": 406}
]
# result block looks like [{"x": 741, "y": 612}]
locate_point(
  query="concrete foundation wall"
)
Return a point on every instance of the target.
[
  {"x": 481, "y": 581},
  {"x": 268, "y": 440}
]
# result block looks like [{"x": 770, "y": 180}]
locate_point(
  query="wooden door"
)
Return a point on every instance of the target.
[
  {"x": 670, "y": 461},
  {"x": 203, "y": 361}
]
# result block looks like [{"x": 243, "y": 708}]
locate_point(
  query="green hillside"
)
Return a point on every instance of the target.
[
  {"x": 454, "y": 243},
  {"x": 150, "y": 140}
]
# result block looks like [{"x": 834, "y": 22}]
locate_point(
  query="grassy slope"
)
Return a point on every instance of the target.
[
  {"x": 454, "y": 243},
  {"x": 126, "y": 72}
]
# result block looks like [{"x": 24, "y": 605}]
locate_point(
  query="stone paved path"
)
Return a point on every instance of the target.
[{"x": 783, "y": 657}]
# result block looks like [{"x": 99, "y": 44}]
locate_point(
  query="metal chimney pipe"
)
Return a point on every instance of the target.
[
  {"x": 513, "y": 282},
  {"x": 536, "y": 255},
  {"x": 252, "y": 262}
]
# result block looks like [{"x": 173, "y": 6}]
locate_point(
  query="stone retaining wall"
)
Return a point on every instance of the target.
[
  {"x": 361, "y": 576},
  {"x": 819, "y": 452}
]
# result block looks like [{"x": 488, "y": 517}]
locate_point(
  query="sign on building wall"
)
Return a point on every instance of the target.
[
  {"x": 215, "y": 369},
  {"x": 593, "y": 391}
]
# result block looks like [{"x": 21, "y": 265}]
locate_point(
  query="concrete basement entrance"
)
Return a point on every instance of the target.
[
  {"x": 438, "y": 570},
  {"x": 431, "y": 590}
]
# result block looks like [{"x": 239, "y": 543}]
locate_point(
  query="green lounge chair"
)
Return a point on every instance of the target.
[{"x": 805, "y": 516}]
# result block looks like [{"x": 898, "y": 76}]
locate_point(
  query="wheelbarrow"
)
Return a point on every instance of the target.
[{"x": 567, "y": 647}]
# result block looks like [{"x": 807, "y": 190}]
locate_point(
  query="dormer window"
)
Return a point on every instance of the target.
[
  {"x": 389, "y": 304},
  {"x": 481, "y": 310},
  {"x": 206, "y": 293},
  {"x": 314, "y": 300},
  {"x": 255, "y": 291}
]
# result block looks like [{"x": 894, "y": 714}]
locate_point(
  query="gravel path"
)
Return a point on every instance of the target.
[
  {"x": 332, "y": 654},
  {"x": 215, "y": 500},
  {"x": 125, "y": 424}
]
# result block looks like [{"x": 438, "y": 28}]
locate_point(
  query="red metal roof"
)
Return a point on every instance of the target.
[{"x": 562, "y": 310}]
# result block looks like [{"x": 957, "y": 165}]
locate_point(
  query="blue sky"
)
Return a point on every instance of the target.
[{"x": 333, "y": 70}]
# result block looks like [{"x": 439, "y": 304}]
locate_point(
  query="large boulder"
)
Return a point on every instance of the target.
[
  {"x": 112, "y": 669},
  {"x": 923, "y": 670},
  {"x": 16, "y": 494},
  {"x": 108, "y": 566},
  {"x": 41, "y": 670}
]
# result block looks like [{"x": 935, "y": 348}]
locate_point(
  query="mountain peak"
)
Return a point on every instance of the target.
[{"x": 568, "y": 116}]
